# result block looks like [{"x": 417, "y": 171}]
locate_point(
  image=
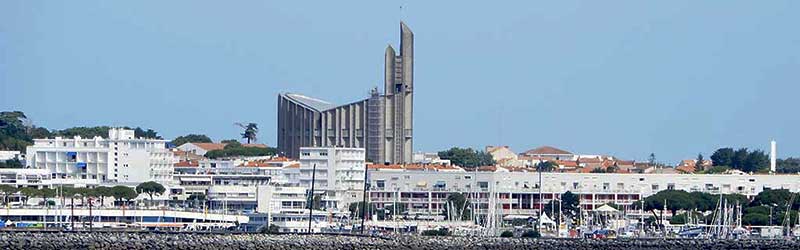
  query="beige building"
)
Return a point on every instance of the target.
[{"x": 503, "y": 156}]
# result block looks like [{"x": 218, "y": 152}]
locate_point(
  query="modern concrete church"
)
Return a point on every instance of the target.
[{"x": 382, "y": 124}]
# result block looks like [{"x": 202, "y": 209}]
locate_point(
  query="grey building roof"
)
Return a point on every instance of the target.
[{"x": 313, "y": 103}]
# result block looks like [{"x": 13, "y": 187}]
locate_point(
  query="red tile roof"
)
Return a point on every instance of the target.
[
  {"x": 547, "y": 150},
  {"x": 187, "y": 164}
]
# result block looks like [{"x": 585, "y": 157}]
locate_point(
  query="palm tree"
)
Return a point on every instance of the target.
[{"x": 250, "y": 131}]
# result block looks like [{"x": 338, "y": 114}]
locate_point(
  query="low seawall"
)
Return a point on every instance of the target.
[{"x": 144, "y": 240}]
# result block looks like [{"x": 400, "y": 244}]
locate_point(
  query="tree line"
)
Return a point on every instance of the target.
[
  {"x": 467, "y": 157},
  {"x": 17, "y": 132},
  {"x": 741, "y": 159},
  {"x": 121, "y": 194},
  {"x": 755, "y": 212},
  {"x": 234, "y": 148}
]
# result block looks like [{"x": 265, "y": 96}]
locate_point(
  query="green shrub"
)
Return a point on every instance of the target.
[
  {"x": 506, "y": 234},
  {"x": 531, "y": 234}
]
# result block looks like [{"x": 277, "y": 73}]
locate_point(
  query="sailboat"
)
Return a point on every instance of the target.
[{"x": 692, "y": 229}]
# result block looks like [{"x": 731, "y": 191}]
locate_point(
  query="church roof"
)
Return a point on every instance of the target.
[{"x": 313, "y": 103}]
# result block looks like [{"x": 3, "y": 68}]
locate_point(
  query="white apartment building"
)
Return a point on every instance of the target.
[
  {"x": 120, "y": 158},
  {"x": 425, "y": 192},
  {"x": 285, "y": 207},
  {"x": 339, "y": 173}
]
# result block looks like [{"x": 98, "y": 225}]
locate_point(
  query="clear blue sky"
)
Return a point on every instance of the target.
[{"x": 624, "y": 78}]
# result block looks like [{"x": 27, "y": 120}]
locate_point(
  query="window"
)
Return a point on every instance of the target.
[
  {"x": 380, "y": 183},
  {"x": 323, "y": 153},
  {"x": 654, "y": 186},
  {"x": 671, "y": 186},
  {"x": 467, "y": 177},
  {"x": 306, "y": 153}
]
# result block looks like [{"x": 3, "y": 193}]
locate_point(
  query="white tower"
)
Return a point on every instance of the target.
[{"x": 773, "y": 156}]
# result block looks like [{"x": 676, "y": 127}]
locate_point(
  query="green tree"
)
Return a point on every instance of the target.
[
  {"x": 46, "y": 194},
  {"x": 236, "y": 149},
  {"x": 723, "y": 157},
  {"x": 39, "y": 133},
  {"x": 457, "y": 204},
  {"x": 13, "y": 131},
  {"x": 103, "y": 192},
  {"x": 788, "y": 166},
  {"x": 652, "y": 159},
  {"x": 28, "y": 193},
  {"x": 83, "y": 193},
  {"x": 315, "y": 202},
  {"x": 356, "y": 210},
  {"x": 598, "y": 171},
  {"x": 698, "y": 166},
  {"x": 547, "y": 166},
  {"x": 7, "y": 191},
  {"x": 196, "y": 198},
  {"x": 229, "y": 141},
  {"x": 142, "y": 133},
  {"x": 150, "y": 188},
  {"x": 13, "y": 163},
  {"x": 125, "y": 193},
  {"x": 755, "y": 219},
  {"x": 739, "y": 158},
  {"x": 467, "y": 157},
  {"x": 250, "y": 131},
  {"x": 755, "y": 161},
  {"x": 84, "y": 132},
  {"x": 778, "y": 197},
  {"x": 704, "y": 201},
  {"x": 198, "y": 138},
  {"x": 570, "y": 203},
  {"x": 675, "y": 199}
]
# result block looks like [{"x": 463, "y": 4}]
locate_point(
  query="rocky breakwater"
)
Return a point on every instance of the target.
[{"x": 120, "y": 240}]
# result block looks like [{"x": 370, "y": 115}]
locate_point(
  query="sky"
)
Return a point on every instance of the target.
[{"x": 623, "y": 78}]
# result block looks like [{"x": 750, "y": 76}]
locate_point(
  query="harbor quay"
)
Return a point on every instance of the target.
[{"x": 211, "y": 241}]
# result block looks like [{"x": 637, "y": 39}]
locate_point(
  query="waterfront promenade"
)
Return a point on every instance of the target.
[{"x": 207, "y": 241}]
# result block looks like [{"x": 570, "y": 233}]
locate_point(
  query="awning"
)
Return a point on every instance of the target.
[{"x": 605, "y": 208}]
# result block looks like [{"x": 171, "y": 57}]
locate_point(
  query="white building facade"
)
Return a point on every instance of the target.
[
  {"x": 339, "y": 174},
  {"x": 120, "y": 158},
  {"x": 426, "y": 192}
]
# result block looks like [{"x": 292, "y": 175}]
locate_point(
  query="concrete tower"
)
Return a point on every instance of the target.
[
  {"x": 399, "y": 99},
  {"x": 773, "y": 156},
  {"x": 382, "y": 124}
]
